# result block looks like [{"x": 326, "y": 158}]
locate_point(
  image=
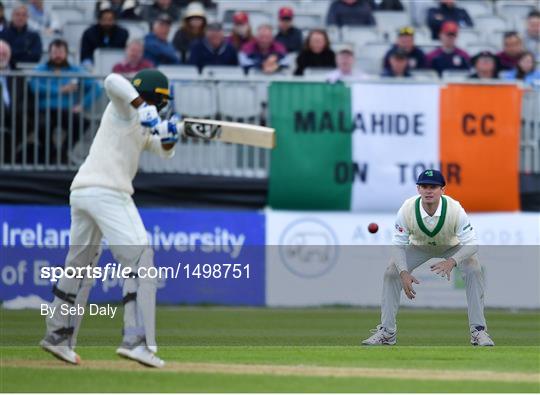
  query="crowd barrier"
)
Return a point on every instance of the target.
[{"x": 42, "y": 131}]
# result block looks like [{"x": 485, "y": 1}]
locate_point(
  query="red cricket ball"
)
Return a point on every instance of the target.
[{"x": 373, "y": 227}]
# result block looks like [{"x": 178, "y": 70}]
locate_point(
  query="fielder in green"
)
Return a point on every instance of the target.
[{"x": 432, "y": 226}]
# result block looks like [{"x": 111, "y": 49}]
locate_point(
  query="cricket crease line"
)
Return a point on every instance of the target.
[{"x": 283, "y": 370}]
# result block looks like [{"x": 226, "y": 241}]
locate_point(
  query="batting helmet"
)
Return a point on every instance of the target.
[{"x": 153, "y": 86}]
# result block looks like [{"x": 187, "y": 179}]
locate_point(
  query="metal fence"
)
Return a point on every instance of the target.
[{"x": 48, "y": 122}]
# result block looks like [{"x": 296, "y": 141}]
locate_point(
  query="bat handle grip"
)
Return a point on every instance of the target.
[{"x": 180, "y": 127}]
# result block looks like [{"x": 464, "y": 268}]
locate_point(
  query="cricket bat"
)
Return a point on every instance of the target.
[{"x": 228, "y": 132}]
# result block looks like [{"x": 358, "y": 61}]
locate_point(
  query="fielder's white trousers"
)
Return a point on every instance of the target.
[{"x": 470, "y": 270}]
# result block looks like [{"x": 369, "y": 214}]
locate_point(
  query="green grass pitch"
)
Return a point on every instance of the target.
[{"x": 429, "y": 342}]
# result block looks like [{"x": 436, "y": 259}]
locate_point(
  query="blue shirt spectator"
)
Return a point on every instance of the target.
[
  {"x": 405, "y": 41},
  {"x": 447, "y": 11},
  {"x": 62, "y": 92},
  {"x": 213, "y": 49},
  {"x": 156, "y": 47},
  {"x": 448, "y": 56},
  {"x": 105, "y": 34},
  {"x": 351, "y": 13},
  {"x": 524, "y": 70},
  {"x": 25, "y": 43}
]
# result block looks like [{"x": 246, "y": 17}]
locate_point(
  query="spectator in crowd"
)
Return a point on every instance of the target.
[
  {"x": 448, "y": 56},
  {"x": 208, "y": 4},
  {"x": 156, "y": 47},
  {"x": 3, "y": 20},
  {"x": 192, "y": 29},
  {"x": 386, "y": 5},
  {"x": 351, "y": 13},
  {"x": 263, "y": 53},
  {"x": 512, "y": 50},
  {"x": 532, "y": 34},
  {"x": 524, "y": 71},
  {"x": 485, "y": 66},
  {"x": 42, "y": 19},
  {"x": 399, "y": 65},
  {"x": 405, "y": 42},
  {"x": 447, "y": 11},
  {"x": 58, "y": 98},
  {"x": 123, "y": 9},
  {"x": 17, "y": 114},
  {"x": 134, "y": 60},
  {"x": 288, "y": 34},
  {"x": 316, "y": 53},
  {"x": 213, "y": 49},
  {"x": 25, "y": 43},
  {"x": 345, "y": 65},
  {"x": 241, "y": 31},
  {"x": 104, "y": 34},
  {"x": 151, "y": 12}
]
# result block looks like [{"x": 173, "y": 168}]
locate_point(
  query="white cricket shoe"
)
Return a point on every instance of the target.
[
  {"x": 141, "y": 354},
  {"x": 60, "y": 351},
  {"x": 479, "y": 337},
  {"x": 381, "y": 337}
]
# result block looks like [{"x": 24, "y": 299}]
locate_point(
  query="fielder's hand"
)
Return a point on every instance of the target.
[
  {"x": 148, "y": 115},
  {"x": 406, "y": 281},
  {"x": 444, "y": 268}
]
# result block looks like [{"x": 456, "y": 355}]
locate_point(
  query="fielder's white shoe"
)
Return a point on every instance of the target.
[
  {"x": 141, "y": 354},
  {"x": 60, "y": 350},
  {"x": 381, "y": 337},
  {"x": 479, "y": 337}
]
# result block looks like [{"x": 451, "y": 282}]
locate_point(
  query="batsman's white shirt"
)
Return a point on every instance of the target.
[
  {"x": 114, "y": 155},
  {"x": 447, "y": 227}
]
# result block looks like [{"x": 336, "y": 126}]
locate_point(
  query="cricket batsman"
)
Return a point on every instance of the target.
[
  {"x": 432, "y": 226},
  {"x": 101, "y": 205}
]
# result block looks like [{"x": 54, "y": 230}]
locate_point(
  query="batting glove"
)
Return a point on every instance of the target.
[
  {"x": 148, "y": 115},
  {"x": 167, "y": 131}
]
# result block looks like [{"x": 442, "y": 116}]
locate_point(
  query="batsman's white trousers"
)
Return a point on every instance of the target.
[{"x": 470, "y": 270}]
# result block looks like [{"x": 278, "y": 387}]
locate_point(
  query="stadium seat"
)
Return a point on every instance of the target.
[
  {"x": 70, "y": 14},
  {"x": 179, "y": 71},
  {"x": 455, "y": 75},
  {"x": 467, "y": 36},
  {"x": 73, "y": 31},
  {"x": 238, "y": 101},
  {"x": 308, "y": 21},
  {"x": 473, "y": 49},
  {"x": 317, "y": 72},
  {"x": 476, "y": 7},
  {"x": 106, "y": 58},
  {"x": 334, "y": 33},
  {"x": 360, "y": 36},
  {"x": 135, "y": 29},
  {"x": 194, "y": 99},
  {"x": 489, "y": 23},
  {"x": 425, "y": 75},
  {"x": 515, "y": 11},
  {"x": 495, "y": 37},
  {"x": 389, "y": 21},
  {"x": 218, "y": 72}
]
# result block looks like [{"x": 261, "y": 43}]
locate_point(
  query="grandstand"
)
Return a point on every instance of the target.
[{"x": 235, "y": 92}]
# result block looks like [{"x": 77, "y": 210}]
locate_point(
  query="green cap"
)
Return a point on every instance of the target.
[{"x": 151, "y": 81}]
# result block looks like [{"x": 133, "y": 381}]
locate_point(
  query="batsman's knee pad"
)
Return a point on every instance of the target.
[
  {"x": 391, "y": 273},
  {"x": 471, "y": 267}
]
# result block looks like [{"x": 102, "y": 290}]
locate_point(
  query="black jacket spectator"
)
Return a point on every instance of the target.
[
  {"x": 386, "y": 5},
  {"x": 417, "y": 58},
  {"x": 291, "y": 39},
  {"x": 192, "y": 29},
  {"x": 203, "y": 54},
  {"x": 123, "y": 9},
  {"x": 25, "y": 44},
  {"x": 98, "y": 36},
  {"x": 3, "y": 20},
  {"x": 350, "y": 12},
  {"x": 445, "y": 12},
  {"x": 316, "y": 52},
  {"x": 152, "y": 11}
]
